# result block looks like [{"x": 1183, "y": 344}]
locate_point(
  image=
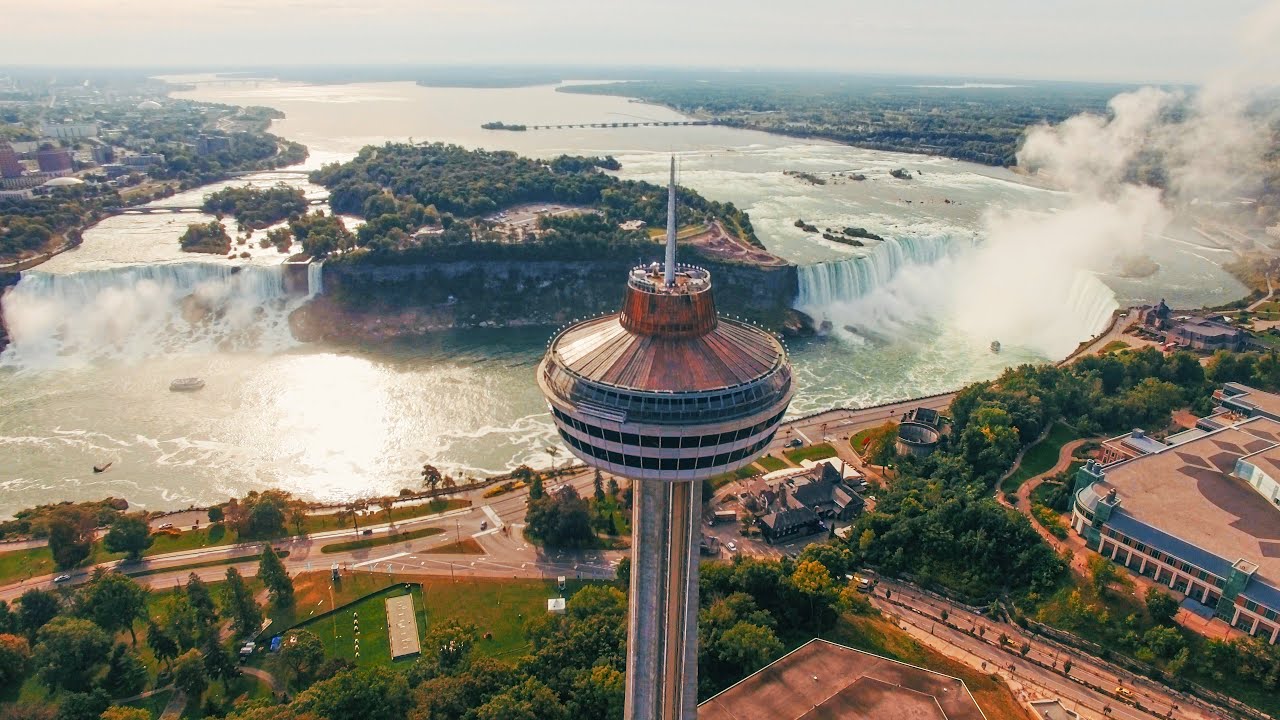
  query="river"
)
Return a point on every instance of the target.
[{"x": 98, "y": 338}]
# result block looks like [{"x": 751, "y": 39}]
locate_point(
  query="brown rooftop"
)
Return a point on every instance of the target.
[
  {"x": 1187, "y": 491},
  {"x": 821, "y": 680},
  {"x": 730, "y": 353},
  {"x": 1266, "y": 402}
]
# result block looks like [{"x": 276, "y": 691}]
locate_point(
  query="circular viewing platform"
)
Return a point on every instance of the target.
[{"x": 650, "y": 279}]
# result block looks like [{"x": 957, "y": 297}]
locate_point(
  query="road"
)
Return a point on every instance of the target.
[{"x": 1039, "y": 673}]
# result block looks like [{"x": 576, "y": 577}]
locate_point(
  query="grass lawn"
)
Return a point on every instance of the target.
[
  {"x": 821, "y": 451},
  {"x": 494, "y": 606},
  {"x": 881, "y": 637},
  {"x": 719, "y": 481},
  {"x": 320, "y": 523},
  {"x": 772, "y": 464},
  {"x": 860, "y": 439},
  {"x": 467, "y": 546},
  {"x": 245, "y": 687},
  {"x": 339, "y": 631},
  {"x": 203, "y": 564},
  {"x": 380, "y": 540},
  {"x": 1040, "y": 457},
  {"x": 1113, "y": 346},
  {"x": 21, "y": 564}
]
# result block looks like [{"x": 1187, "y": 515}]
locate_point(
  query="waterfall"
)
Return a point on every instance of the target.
[
  {"x": 829, "y": 283},
  {"x": 315, "y": 278},
  {"x": 137, "y": 311}
]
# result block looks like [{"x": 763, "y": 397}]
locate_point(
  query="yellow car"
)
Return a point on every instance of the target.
[{"x": 1123, "y": 692}]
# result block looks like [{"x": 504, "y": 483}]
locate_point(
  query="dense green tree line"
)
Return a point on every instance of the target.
[
  {"x": 400, "y": 188},
  {"x": 255, "y": 208}
]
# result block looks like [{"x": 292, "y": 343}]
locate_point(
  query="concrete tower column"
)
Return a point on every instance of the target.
[{"x": 662, "y": 631}]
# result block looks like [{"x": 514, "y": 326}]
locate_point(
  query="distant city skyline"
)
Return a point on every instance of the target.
[{"x": 1176, "y": 41}]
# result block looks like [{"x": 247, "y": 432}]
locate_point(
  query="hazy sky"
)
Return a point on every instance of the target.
[{"x": 1123, "y": 40}]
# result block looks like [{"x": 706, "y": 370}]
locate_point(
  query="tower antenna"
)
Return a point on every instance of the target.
[{"x": 669, "y": 272}]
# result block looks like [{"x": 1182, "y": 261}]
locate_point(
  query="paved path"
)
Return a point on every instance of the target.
[
  {"x": 1271, "y": 291},
  {"x": 1065, "y": 457},
  {"x": 174, "y": 709},
  {"x": 262, "y": 675}
]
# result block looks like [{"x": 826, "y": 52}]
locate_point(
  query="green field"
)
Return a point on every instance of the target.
[
  {"x": 1113, "y": 346},
  {"x": 1040, "y": 457},
  {"x": 772, "y": 464},
  {"x": 498, "y": 607},
  {"x": 380, "y": 540},
  {"x": 821, "y": 451}
]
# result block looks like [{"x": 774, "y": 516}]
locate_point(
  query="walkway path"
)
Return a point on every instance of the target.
[
  {"x": 1271, "y": 291},
  {"x": 262, "y": 675},
  {"x": 174, "y": 709}
]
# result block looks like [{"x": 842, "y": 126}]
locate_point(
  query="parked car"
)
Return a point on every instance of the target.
[
  {"x": 733, "y": 546},
  {"x": 1123, "y": 692},
  {"x": 62, "y": 578},
  {"x": 484, "y": 524},
  {"x": 166, "y": 526},
  {"x": 795, "y": 443}
]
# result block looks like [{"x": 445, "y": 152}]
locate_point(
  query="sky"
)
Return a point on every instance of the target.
[{"x": 1103, "y": 40}]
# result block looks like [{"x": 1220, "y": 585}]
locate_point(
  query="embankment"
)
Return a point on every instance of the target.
[
  {"x": 367, "y": 302},
  {"x": 7, "y": 280}
]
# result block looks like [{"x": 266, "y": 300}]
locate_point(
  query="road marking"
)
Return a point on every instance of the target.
[
  {"x": 493, "y": 517},
  {"x": 374, "y": 562}
]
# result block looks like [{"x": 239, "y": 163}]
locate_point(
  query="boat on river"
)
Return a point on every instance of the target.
[
  {"x": 995, "y": 346},
  {"x": 190, "y": 384}
]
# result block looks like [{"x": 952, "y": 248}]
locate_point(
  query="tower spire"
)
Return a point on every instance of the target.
[{"x": 669, "y": 271}]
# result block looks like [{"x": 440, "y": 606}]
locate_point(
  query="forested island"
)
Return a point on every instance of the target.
[
  {"x": 441, "y": 246},
  {"x": 255, "y": 208},
  {"x": 210, "y": 237},
  {"x": 499, "y": 125}
]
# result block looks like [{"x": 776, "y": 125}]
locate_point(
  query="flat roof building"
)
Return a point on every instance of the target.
[
  {"x": 1201, "y": 515},
  {"x": 821, "y": 679}
]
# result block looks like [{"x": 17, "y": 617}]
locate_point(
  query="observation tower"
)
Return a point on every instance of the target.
[{"x": 665, "y": 393}]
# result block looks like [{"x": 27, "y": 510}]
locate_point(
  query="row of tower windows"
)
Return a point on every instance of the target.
[
  {"x": 669, "y": 441},
  {"x": 653, "y": 463}
]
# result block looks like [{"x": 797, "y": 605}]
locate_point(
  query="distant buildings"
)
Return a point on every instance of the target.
[
  {"x": 209, "y": 144},
  {"x": 821, "y": 679},
  {"x": 919, "y": 432},
  {"x": 54, "y": 160},
  {"x": 71, "y": 131},
  {"x": 10, "y": 165},
  {"x": 1198, "y": 512},
  {"x": 143, "y": 160}
]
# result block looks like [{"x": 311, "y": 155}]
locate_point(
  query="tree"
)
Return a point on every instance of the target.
[
  {"x": 216, "y": 514},
  {"x": 1161, "y": 606},
  {"x": 83, "y": 705},
  {"x": 372, "y": 693},
  {"x": 274, "y": 575},
  {"x": 552, "y": 451},
  {"x": 189, "y": 675},
  {"x": 530, "y": 700},
  {"x": 1102, "y": 572},
  {"x": 1024, "y": 648},
  {"x": 8, "y": 619},
  {"x": 449, "y": 644},
  {"x": 599, "y": 692},
  {"x": 597, "y": 484},
  {"x": 388, "y": 505},
  {"x": 162, "y": 644},
  {"x": 431, "y": 476},
  {"x": 613, "y": 487},
  {"x": 303, "y": 654},
  {"x": 70, "y": 536},
  {"x": 129, "y": 534},
  {"x": 15, "y": 659},
  {"x": 126, "y": 674},
  {"x": 238, "y": 605},
  {"x": 747, "y": 647},
  {"x": 535, "y": 488},
  {"x": 1066, "y": 666},
  {"x": 813, "y": 581},
  {"x": 218, "y": 661},
  {"x": 112, "y": 601},
  {"x": 560, "y": 520},
  {"x": 201, "y": 601},
  {"x": 35, "y": 608},
  {"x": 69, "y": 652}
]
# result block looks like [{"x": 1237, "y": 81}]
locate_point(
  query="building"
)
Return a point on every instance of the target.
[
  {"x": 1199, "y": 511},
  {"x": 10, "y": 165},
  {"x": 143, "y": 160},
  {"x": 1053, "y": 710},
  {"x": 209, "y": 144},
  {"x": 70, "y": 131},
  {"x": 821, "y": 679},
  {"x": 104, "y": 154},
  {"x": 798, "y": 503},
  {"x": 667, "y": 393},
  {"x": 1205, "y": 334},
  {"x": 54, "y": 160},
  {"x": 1155, "y": 317}
]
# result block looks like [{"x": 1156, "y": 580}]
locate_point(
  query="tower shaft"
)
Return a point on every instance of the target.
[{"x": 662, "y": 631}]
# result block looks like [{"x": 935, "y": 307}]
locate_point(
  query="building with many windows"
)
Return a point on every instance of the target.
[{"x": 1199, "y": 512}]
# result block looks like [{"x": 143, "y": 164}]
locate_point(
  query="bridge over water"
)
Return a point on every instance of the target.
[
  {"x": 639, "y": 123},
  {"x": 161, "y": 209}
]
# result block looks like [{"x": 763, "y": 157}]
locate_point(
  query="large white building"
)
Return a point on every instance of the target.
[{"x": 70, "y": 131}]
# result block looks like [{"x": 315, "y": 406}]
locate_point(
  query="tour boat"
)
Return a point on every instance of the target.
[
  {"x": 103, "y": 467},
  {"x": 190, "y": 384},
  {"x": 995, "y": 346}
]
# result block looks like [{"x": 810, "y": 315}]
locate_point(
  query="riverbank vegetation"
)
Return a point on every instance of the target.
[
  {"x": 255, "y": 208},
  {"x": 976, "y": 123}
]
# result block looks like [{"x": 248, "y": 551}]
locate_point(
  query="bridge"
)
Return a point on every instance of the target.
[
  {"x": 643, "y": 123},
  {"x": 271, "y": 173},
  {"x": 162, "y": 209}
]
